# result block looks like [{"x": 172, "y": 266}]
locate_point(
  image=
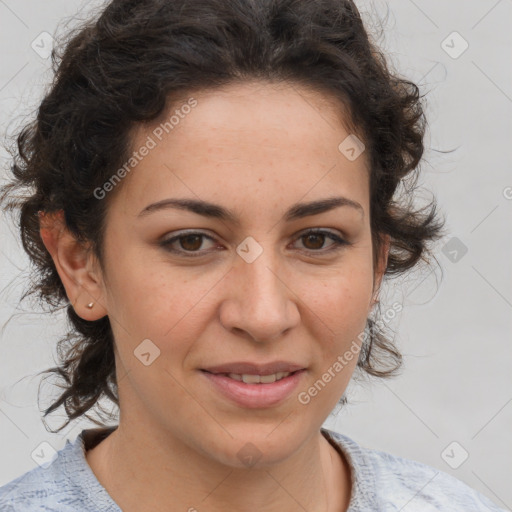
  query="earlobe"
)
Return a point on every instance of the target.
[{"x": 72, "y": 260}]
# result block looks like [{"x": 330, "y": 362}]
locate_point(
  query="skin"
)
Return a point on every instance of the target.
[{"x": 255, "y": 148}]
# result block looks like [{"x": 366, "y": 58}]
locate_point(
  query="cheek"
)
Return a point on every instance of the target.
[
  {"x": 342, "y": 299},
  {"x": 150, "y": 298},
  {"x": 154, "y": 302},
  {"x": 337, "y": 319},
  {"x": 337, "y": 313}
]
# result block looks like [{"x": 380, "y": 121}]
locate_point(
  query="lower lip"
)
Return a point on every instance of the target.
[{"x": 255, "y": 396}]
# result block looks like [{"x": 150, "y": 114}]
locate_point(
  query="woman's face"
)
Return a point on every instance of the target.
[{"x": 248, "y": 286}]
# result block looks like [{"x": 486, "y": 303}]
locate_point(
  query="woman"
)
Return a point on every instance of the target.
[{"x": 213, "y": 196}]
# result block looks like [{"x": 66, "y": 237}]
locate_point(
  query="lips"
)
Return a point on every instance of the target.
[
  {"x": 241, "y": 368},
  {"x": 253, "y": 395}
]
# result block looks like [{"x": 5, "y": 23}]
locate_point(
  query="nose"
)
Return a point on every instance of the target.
[{"x": 260, "y": 302}]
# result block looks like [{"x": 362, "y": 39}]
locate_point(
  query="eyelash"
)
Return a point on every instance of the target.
[{"x": 337, "y": 245}]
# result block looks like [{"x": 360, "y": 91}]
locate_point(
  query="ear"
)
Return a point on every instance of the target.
[
  {"x": 382, "y": 263},
  {"x": 77, "y": 267}
]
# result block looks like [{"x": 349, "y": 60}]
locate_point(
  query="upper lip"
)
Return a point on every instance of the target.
[{"x": 242, "y": 368}]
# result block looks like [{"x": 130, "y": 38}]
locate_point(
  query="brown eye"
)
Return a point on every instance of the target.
[
  {"x": 187, "y": 244},
  {"x": 191, "y": 242},
  {"x": 314, "y": 240}
]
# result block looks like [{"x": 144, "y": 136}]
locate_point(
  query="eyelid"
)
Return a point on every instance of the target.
[
  {"x": 339, "y": 241},
  {"x": 166, "y": 242}
]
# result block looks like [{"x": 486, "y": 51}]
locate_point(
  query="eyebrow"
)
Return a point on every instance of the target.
[{"x": 206, "y": 209}]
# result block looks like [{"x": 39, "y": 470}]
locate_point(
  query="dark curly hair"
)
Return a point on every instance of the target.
[{"x": 128, "y": 64}]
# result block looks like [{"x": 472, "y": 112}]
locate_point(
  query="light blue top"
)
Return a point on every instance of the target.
[{"x": 380, "y": 482}]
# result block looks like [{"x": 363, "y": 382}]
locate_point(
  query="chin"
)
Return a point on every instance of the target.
[{"x": 253, "y": 446}]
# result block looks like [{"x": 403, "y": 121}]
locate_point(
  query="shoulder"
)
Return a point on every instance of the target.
[
  {"x": 66, "y": 484},
  {"x": 389, "y": 483},
  {"x": 34, "y": 488},
  {"x": 44, "y": 488}
]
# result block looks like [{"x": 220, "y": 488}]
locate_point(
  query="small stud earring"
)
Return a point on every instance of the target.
[{"x": 90, "y": 305}]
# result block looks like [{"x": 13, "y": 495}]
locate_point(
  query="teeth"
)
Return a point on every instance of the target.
[
  {"x": 268, "y": 379},
  {"x": 258, "y": 379}
]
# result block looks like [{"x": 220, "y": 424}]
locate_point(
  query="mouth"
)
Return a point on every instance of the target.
[
  {"x": 255, "y": 369},
  {"x": 253, "y": 390},
  {"x": 255, "y": 378}
]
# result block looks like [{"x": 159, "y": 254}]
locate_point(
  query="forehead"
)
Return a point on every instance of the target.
[
  {"x": 254, "y": 141},
  {"x": 278, "y": 94}
]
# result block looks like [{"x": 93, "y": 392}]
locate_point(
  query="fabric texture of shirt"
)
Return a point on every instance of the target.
[{"x": 380, "y": 482}]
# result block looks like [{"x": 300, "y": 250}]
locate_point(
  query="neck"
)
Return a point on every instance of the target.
[{"x": 166, "y": 472}]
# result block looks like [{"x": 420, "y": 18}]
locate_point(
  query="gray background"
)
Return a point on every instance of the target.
[{"x": 455, "y": 329}]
